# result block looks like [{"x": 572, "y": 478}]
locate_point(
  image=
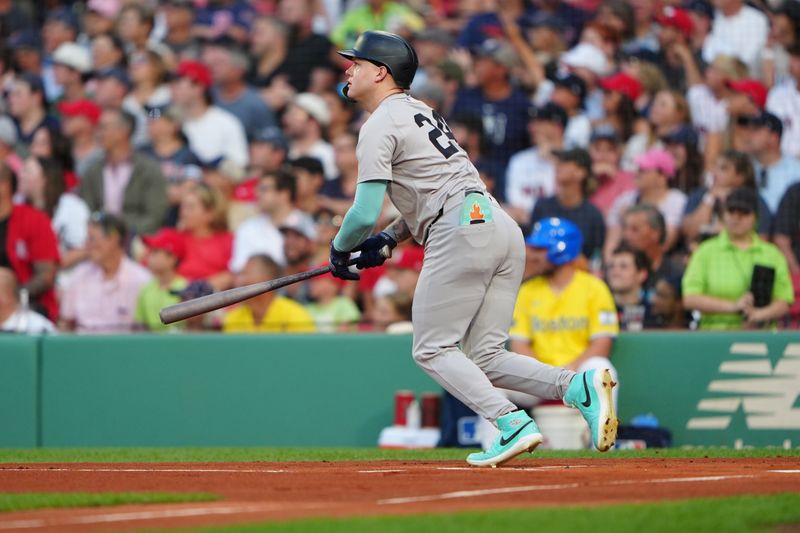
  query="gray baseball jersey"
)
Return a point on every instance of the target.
[{"x": 409, "y": 145}]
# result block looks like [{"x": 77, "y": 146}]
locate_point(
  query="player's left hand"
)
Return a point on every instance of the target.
[
  {"x": 371, "y": 250},
  {"x": 340, "y": 268}
]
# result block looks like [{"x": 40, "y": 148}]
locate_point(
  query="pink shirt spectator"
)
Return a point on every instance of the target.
[
  {"x": 103, "y": 305},
  {"x": 610, "y": 188},
  {"x": 115, "y": 181}
]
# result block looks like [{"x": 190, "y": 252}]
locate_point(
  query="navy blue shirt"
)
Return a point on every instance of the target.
[
  {"x": 764, "y": 215},
  {"x": 586, "y": 216}
]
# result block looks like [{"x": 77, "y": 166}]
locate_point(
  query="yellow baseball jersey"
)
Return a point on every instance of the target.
[
  {"x": 561, "y": 326},
  {"x": 283, "y": 316}
]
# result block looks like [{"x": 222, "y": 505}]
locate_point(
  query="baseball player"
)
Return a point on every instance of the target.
[{"x": 474, "y": 256}]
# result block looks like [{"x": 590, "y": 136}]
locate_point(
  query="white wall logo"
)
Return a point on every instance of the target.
[{"x": 766, "y": 395}]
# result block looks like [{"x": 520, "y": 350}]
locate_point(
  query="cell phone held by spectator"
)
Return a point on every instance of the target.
[{"x": 761, "y": 285}]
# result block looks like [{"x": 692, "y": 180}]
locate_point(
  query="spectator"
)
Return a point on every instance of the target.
[
  {"x": 681, "y": 143},
  {"x": 8, "y": 140},
  {"x": 207, "y": 321},
  {"x": 338, "y": 194},
  {"x": 25, "y": 48},
  {"x": 705, "y": 207},
  {"x": 269, "y": 48},
  {"x": 99, "y": 17},
  {"x": 384, "y": 15},
  {"x": 645, "y": 30},
  {"x": 668, "y": 112},
  {"x": 404, "y": 267},
  {"x": 484, "y": 26},
  {"x": 431, "y": 45},
  {"x": 179, "y": 18},
  {"x": 643, "y": 229},
  {"x": 112, "y": 86},
  {"x": 569, "y": 93},
  {"x": 212, "y": 132},
  {"x": 101, "y": 294},
  {"x": 787, "y": 228},
  {"x": 327, "y": 224},
  {"x": 611, "y": 181},
  {"x": 166, "y": 249},
  {"x": 268, "y": 312},
  {"x": 784, "y": 100},
  {"x": 60, "y": 26},
  {"x": 41, "y": 185},
  {"x": 26, "y": 105},
  {"x": 203, "y": 223},
  {"x": 784, "y": 38},
  {"x": 531, "y": 172},
  {"x": 738, "y": 30},
  {"x": 590, "y": 64},
  {"x": 148, "y": 72},
  {"x": 179, "y": 165},
  {"x": 268, "y": 149},
  {"x": 655, "y": 170},
  {"x": 71, "y": 63},
  {"x": 275, "y": 195},
  {"x": 78, "y": 122},
  {"x": 719, "y": 278},
  {"x": 331, "y": 311},
  {"x": 108, "y": 51},
  {"x": 125, "y": 183},
  {"x": 343, "y": 114},
  {"x": 570, "y": 202},
  {"x": 702, "y": 14},
  {"x": 308, "y": 51},
  {"x": 14, "y": 316},
  {"x": 392, "y": 313},
  {"x": 28, "y": 246},
  {"x": 747, "y": 97},
  {"x": 304, "y": 122},
  {"x": 499, "y": 102},
  {"x": 667, "y": 304},
  {"x": 134, "y": 25},
  {"x": 628, "y": 271},
  {"x": 299, "y": 245},
  {"x": 675, "y": 56},
  {"x": 774, "y": 172},
  {"x": 229, "y": 64},
  {"x": 620, "y": 92},
  {"x": 310, "y": 180},
  {"x": 224, "y": 19}
]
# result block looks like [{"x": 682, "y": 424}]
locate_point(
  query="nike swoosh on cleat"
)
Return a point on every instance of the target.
[
  {"x": 588, "y": 401},
  {"x": 503, "y": 441}
]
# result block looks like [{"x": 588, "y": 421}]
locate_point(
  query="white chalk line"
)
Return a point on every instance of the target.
[
  {"x": 513, "y": 468},
  {"x": 380, "y": 471},
  {"x": 531, "y": 488},
  {"x": 785, "y": 471}
]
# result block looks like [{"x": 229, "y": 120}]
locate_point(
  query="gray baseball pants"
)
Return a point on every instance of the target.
[{"x": 463, "y": 307}]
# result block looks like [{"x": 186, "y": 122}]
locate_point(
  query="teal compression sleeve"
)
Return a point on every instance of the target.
[{"x": 362, "y": 215}]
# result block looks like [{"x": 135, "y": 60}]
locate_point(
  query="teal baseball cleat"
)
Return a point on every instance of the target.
[
  {"x": 590, "y": 393},
  {"x": 518, "y": 433}
]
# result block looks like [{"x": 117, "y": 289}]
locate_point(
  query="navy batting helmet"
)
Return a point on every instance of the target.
[
  {"x": 561, "y": 238},
  {"x": 389, "y": 50}
]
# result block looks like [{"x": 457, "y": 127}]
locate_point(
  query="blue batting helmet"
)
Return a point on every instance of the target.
[{"x": 561, "y": 238}]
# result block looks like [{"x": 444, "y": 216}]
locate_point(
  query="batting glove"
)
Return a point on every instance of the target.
[
  {"x": 339, "y": 262},
  {"x": 371, "y": 255}
]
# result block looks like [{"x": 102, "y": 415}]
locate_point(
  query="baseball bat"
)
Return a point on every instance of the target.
[{"x": 218, "y": 300}]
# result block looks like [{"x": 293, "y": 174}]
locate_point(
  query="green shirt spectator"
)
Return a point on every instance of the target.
[
  {"x": 153, "y": 298},
  {"x": 336, "y": 315},
  {"x": 387, "y": 16},
  {"x": 717, "y": 279}
]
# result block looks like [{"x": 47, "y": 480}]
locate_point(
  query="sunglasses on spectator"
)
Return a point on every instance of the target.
[{"x": 739, "y": 211}]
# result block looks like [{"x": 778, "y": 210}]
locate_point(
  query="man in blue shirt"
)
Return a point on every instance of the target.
[{"x": 774, "y": 172}]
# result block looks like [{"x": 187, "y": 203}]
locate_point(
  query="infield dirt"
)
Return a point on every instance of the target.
[{"x": 260, "y": 491}]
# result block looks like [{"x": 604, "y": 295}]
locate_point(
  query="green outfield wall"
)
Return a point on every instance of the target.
[{"x": 337, "y": 390}]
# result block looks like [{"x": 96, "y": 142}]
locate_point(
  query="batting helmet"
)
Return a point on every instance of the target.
[
  {"x": 561, "y": 238},
  {"x": 389, "y": 50}
]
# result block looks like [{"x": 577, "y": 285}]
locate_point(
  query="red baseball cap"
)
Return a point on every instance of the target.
[
  {"x": 195, "y": 71},
  {"x": 81, "y": 108},
  {"x": 167, "y": 239},
  {"x": 410, "y": 258},
  {"x": 752, "y": 88},
  {"x": 677, "y": 18},
  {"x": 623, "y": 83}
]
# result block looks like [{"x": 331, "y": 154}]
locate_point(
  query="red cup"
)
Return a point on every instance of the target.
[
  {"x": 430, "y": 410},
  {"x": 402, "y": 399}
]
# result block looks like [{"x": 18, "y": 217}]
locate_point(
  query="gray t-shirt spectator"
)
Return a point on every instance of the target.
[{"x": 249, "y": 108}]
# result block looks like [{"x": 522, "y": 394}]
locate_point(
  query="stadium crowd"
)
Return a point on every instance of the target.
[{"x": 153, "y": 151}]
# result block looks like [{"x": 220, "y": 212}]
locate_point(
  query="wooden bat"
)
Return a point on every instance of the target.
[{"x": 218, "y": 300}]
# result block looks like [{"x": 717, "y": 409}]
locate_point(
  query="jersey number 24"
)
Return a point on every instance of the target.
[{"x": 439, "y": 130}]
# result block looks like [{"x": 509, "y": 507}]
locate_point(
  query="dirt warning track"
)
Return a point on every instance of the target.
[{"x": 255, "y": 492}]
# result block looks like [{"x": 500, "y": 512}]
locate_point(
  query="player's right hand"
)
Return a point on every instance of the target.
[
  {"x": 339, "y": 262},
  {"x": 371, "y": 250}
]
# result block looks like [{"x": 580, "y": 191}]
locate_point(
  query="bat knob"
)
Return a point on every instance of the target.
[{"x": 386, "y": 252}]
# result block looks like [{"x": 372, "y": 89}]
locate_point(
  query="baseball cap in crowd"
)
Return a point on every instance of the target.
[
  {"x": 677, "y": 18},
  {"x": 81, "y": 108},
  {"x": 500, "y": 52},
  {"x": 170, "y": 112},
  {"x": 701, "y": 7},
  {"x": 309, "y": 164},
  {"x": 105, "y": 8},
  {"x": 754, "y": 89},
  {"x": 301, "y": 224},
  {"x": 624, "y": 84},
  {"x": 579, "y": 156},
  {"x": 195, "y": 289},
  {"x": 315, "y": 106},
  {"x": 742, "y": 198},
  {"x": 169, "y": 240},
  {"x": 549, "y": 112},
  {"x": 8, "y": 131},
  {"x": 271, "y": 135},
  {"x": 641, "y": 54},
  {"x": 547, "y": 20},
  {"x": 763, "y": 120},
  {"x": 587, "y": 56},
  {"x": 27, "y": 39},
  {"x": 657, "y": 159},
  {"x": 65, "y": 16},
  {"x": 685, "y": 135},
  {"x": 572, "y": 83},
  {"x": 435, "y": 35},
  {"x": 115, "y": 73},
  {"x": 407, "y": 258},
  {"x": 74, "y": 56},
  {"x": 34, "y": 81},
  {"x": 196, "y": 71},
  {"x": 604, "y": 132}
]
